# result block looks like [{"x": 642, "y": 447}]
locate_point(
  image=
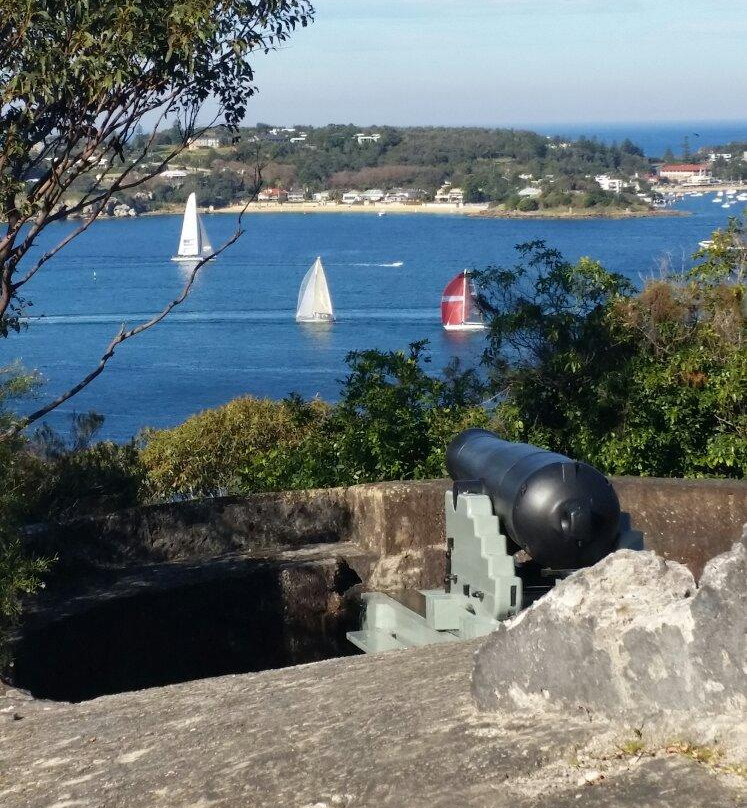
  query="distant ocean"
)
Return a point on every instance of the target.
[{"x": 654, "y": 138}]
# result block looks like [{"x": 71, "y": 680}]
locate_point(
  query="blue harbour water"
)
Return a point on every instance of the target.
[
  {"x": 656, "y": 138},
  {"x": 236, "y": 333}
]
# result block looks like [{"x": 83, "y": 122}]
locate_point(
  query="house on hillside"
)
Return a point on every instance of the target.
[
  {"x": 173, "y": 174},
  {"x": 690, "y": 173},
  {"x": 372, "y": 196},
  {"x": 530, "y": 192},
  {"x": 607, "y": 183},
  {"x": 405, "y": 196},
  {"x": 362, "y": 138},
  {"x": 276, "y": 195},
  {"x": 447, "y": 194},
  {"x": 204, "y": 142},
  {"x": 352, "y": 198}
]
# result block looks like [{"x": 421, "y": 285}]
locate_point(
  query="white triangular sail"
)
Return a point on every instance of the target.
[
  {"x": 314, "y": 301},
  {"x": 194, "y": 243}
]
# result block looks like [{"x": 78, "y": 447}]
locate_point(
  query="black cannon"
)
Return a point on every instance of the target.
[{"x": 563, "y": 513}]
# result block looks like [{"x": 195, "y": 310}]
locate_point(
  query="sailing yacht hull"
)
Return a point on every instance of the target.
[
  {"x": 190, "y": 259},
  {"x": 465, "y": 327},
  {"x": 321, "y": 318}
]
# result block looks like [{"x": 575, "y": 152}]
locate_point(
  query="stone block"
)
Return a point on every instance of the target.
[{"x": 631, "y": 636}]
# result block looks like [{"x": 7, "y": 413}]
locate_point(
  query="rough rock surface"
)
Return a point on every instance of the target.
[
  {"x": 394, "y": 731},
  {"x": 634, "y": 636}
]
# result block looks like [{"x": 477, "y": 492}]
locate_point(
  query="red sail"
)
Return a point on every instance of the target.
[{"x": 453, "y": 303}]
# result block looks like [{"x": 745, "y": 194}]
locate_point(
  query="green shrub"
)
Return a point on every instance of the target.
[
  {"x": 232, "y": 448},
  {"x": 19, "y": 574},
  {"x": 647, "y": 383},
  {"x": 393, "y": 422},
  {"x": 527, "y": 203}
]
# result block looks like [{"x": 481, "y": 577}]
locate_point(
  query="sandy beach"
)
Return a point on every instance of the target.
[
  {"x": 338, "y": 207},
  {"x": 477, "y": 210}
]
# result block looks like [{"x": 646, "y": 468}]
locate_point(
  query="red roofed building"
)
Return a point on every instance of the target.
[
  {"x": 692, "y": 173},
  {"x": 273, "y": 195}
]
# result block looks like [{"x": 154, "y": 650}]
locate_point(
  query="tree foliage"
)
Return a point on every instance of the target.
[
  {"x": 393, "y": 421},
  {"x": 76, "y": 81},
  {"x": 647, "y": 383},
  {"x": 19, "y": 574}
]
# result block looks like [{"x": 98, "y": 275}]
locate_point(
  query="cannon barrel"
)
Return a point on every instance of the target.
[{"x": 565, "y": 514}]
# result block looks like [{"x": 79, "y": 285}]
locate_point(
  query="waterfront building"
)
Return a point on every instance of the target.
[
  {"x": 276, "y": 195},
  {"x": 607, "y": 183},
  {"x": 691, "y": 173},
  {"x": 372, "y": 196},
  {"x": 530, "y": 191},
  {"x": 352, "y": 198},
  {"x": 296, "y": 195},
  {"x": 446, "y": 194}
]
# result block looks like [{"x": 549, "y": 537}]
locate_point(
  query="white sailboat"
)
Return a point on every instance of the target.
[
  {"x": 314, "y": 301},
  {"x": 194, "y": 243}
]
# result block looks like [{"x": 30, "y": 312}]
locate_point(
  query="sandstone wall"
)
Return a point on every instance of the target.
[{"x": 399, "y": 523}]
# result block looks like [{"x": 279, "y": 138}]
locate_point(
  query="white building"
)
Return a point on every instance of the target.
[
  {"x": 206, "y": 142},
  {"x": 373, "y": 195},
  {"x": 322, "y": 196},
  {"x": 690, "y": 173},
  {"x": 713, "y": 156},
  {"x": 404, "y": 196},
  {"x": 174, "y": 174},
  {"x": 352, "y": 198},
  {"x": 530, "y": 191},
  {"x": 446, "y": 194},
  {"x": 607, "y": 183},
  {"x": 296, "y": 195},
  {"x": 362, "y": 138}
]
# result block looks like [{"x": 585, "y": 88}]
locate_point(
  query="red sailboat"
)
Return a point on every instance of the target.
[{"x": 458, "y": 309}]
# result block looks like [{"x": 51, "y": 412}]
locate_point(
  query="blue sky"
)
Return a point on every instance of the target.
[{"x": 503, "y": 62}]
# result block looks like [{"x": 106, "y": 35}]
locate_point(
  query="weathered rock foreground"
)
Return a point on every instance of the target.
[
  {"x": 630, "y": 636},
  {"x": 392, "y": 731},
  {"x": 634, "y": 636}
]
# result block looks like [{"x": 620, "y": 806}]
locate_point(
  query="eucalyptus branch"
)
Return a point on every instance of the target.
[{"x": 125, "y": 334}]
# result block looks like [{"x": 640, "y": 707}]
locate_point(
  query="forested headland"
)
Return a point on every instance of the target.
[{"x": 520, "y": 170}]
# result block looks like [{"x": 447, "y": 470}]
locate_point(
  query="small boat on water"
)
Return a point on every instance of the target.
[
  {"x": 459, "y": 311},
  {"x": 194, "y": 244},
  {"x": 314, "y": 301}
]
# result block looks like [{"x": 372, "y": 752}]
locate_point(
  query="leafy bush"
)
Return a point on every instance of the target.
[
  {"x": 526, "y": 203},
  {"x": 228, "y": 449},
  {"x": 76, "y": 477},
  {"x": 392, "y": 422},
  {"x": 19, "y": 574},
  {"x": 653, "y": 383}
]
